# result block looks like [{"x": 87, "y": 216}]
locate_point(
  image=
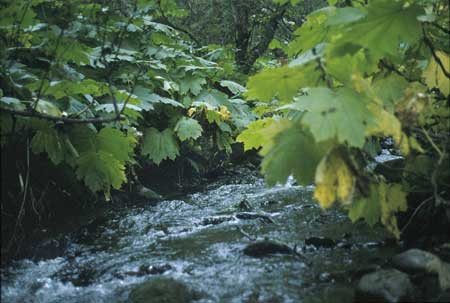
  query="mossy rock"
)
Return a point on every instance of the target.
[{"x": 161, "y": 290}]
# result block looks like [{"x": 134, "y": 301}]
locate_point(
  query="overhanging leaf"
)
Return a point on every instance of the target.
[
  {"x": 160, "y": 145},
  {"x": 188, "y": 128}
]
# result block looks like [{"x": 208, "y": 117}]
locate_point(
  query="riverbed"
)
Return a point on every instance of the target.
[{"x": 198, "y": 239}]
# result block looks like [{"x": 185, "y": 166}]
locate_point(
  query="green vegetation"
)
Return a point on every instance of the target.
[
  {"x": 91, "y": 91},
  {"x": 357, "y": 75}
]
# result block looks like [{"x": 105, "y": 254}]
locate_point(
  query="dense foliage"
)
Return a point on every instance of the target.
[
  {"x": 356, "y": 75},
  {"x": 95, "y": 84}
]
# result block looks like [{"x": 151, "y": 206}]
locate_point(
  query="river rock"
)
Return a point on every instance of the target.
[
  {"x": 161, "y": 290},
  {"x": 149, "y": 194},
  {"x": 252, "y": 216},
  {"x": 388, "y": 285},
  {"x": 216, "y": 220},
  {"x": 416, "y": 261},
  {"x": 244, "y": 205},
  {"x": 320, "y": 242},
  {"x": 266, "y": 248}
]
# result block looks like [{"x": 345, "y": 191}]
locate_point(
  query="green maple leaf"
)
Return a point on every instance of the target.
[
  {"x": 192, "y": 84},
  {"x": 113, "y": 141},
  {"x": 160, "y": 145},
  {"x": 321, "y": 26},
  {"x": 342, "y": 115},
  {"x": 69, "y": 88},
  {"x": 293, "y": 152},
  {"x": 188, "y": 128},
  {"x": 257, "y": 134},
  {"x": 390, "y": 89},
  {"x": 282, "y": 83},
  {"x": 49, "y": 141},
  {"x": 100, "y": 170},
  {"x": 212, "y": 99},
  {"x": 74, "y": 51},
  {"x": 83, "y": 137},
  {"x": 148, "y": 99},
  {"x": 343, "y": 66},
  {"x": 367, "y": 208},
  {"x": 48, "y": 108},
  {"x": 388, "y": 24},
  {"x": 234, "y": 87}
]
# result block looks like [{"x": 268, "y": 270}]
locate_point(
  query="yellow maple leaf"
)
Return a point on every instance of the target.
[
  {"x": 386, "y": 124},
  {"x": 334, "y": 181},
  {"x": 392, "y": 200},
  {"x": 434, "y": 76}
]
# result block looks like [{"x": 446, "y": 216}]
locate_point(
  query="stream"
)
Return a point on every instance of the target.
[{"x": 199, "y": 239}]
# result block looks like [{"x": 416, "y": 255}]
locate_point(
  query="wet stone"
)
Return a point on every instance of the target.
[
  {"x": 266, "y": 248},
  {"x": 161, "y": 290},
  {"x": 415, "y": 261},
  {"x": 215, "y": 220},
  {"x": 253, "y": 216},
  {"x": 244, "y": 205},
  {"x": 388, "y": 285},
  {"x": 320, "y": 242}
]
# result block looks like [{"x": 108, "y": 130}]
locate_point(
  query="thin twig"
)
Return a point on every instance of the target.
[
  {"x": 434, "y": 181},
  {"x": 415, "y": 212},
  {"x": 24, "y": 198},
  {"x": 431, "y": 142}
]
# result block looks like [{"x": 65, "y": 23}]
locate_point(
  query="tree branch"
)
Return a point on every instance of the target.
[
  {"x": 166, "y": 20},
  {"x": 433, "y": 52},
  {"x": 445, "y": 30},
  {"x": 58, "y": 119}
]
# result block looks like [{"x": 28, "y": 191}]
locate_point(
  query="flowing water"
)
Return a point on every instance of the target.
[{"x": 197, "y": 239}]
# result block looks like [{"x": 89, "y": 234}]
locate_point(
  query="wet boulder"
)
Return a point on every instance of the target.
[
  {"x": 161, "y": 290},
  {"x": 320, "y": 242},
  {"x": 415, "y": 261},
  {"x": 388, "y": 285},
  {"x": 265, "y": 248},
  {"x": 149, "y": 194},
  {"x": 423, "y": 262}
]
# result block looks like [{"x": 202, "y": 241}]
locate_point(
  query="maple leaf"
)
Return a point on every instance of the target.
[
  {"x": 188, "y": 128},
  {"x": 435, "y": 77},
  {"x": 115, "y": 142},
  {"x": 282, "y": 83},
  {"x": 160, "y": 145},
  {"x": 100, "y": 170},
  {"x": 334, "y": 180},
  {"x": 386, "y": 25},
  {"x": 192, "y": 84},
  {"x": 367, "y": 208},
  {"x": 260, "y": 133},
  {"x": 49, "y": 141},
  {"x": 293, "y": 152},
  {"x": 342, "y": 114}
]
